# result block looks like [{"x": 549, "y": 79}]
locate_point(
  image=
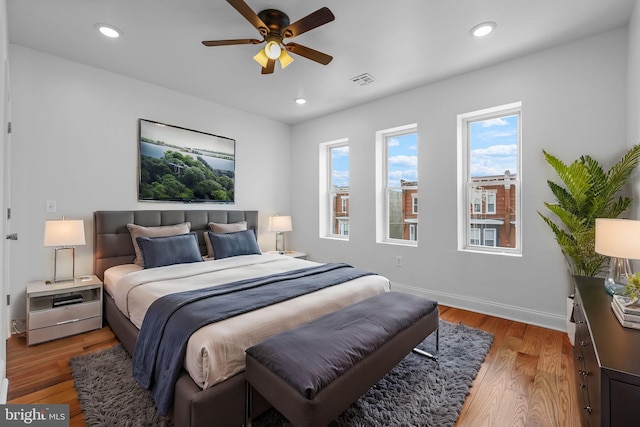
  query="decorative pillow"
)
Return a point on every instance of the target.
[
  {"x": 233, "y": 244},
  {"x": 169, "y": 250},
  {"x": 163, "y": 230},
  {"x": 221, "y": 229}
]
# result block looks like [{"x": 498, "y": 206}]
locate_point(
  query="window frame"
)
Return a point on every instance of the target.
[
  {"x": 326, "y": 191},
  {"x": 466, "y": 185},
  {"x": 382, "y": 179}
]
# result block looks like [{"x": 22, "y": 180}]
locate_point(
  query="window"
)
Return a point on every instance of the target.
[
  {"x": 474, "y": 236},
  {"x": 489, "y": 237},
  {"x": 413, "y": 232},
  {"x": 343, "y": 228},
  {"x": 397, "y": 185},
  {"x": 489, "y": 186},
  {"x": 334, "y": 189},
  {"x": 476, "y": 202},
  {"x": 491, "y": 203}
]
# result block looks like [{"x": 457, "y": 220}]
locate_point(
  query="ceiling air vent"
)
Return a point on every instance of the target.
[{"x": 363, "y": 79}]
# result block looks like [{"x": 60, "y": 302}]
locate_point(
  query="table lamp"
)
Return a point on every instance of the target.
[
  {"x": 619, "y": 239},
  {"x": 64, "y": 235},
  {"x": 280, "y": 224}
]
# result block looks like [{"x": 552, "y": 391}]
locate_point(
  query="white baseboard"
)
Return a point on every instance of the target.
[{"x": 511, "y": 312}]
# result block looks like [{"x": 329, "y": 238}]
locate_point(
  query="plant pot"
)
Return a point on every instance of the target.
[{"x": 571, "y": 324}]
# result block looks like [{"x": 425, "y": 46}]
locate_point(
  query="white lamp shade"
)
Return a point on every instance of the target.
[
  {"x": 280, "y": 223},
  {"x": 618, "y": 238},
  {"x": 64, "y": 232}
]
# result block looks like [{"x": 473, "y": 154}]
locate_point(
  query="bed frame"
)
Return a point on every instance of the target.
[{"x": 220, "y": 405}]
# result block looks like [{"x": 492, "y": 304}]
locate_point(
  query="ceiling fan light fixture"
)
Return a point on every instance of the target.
[
  {"x": 285, "y": 59},
  {"x": 272, "y": 50},
  {"x": 483, "y": 29},
  {"x": 261, "y": 58}
]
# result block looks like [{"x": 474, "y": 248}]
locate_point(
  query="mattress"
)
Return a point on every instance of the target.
[{"x": 216, "y": 352}]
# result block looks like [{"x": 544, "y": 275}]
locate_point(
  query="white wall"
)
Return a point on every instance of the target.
[
  {"x": 4, "y": 91},
  {"x": 633, "y": 98},
  {"x": 75, "y": 142},
  {"x": 574, "y": 103}
]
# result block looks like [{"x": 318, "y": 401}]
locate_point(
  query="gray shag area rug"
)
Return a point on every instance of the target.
[{"x": 417, "y": 392}]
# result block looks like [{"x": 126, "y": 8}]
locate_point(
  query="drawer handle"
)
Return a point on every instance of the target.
[{"x": 67, "y": 321}]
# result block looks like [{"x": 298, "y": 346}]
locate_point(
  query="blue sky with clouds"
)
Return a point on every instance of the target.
[
  {"x": 402, "y": 158},
  {"x": 494, "y": 149},
  {"x": 340, "y": 166},
  {"x": 494, "y": 146}
]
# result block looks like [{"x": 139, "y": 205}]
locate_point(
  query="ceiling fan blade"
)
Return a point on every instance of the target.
[
  {"x": 249, "y": 15},
  {"x": 309, "y": 53},
  {"x": 270, "y": 66},
  {"x": 230, "y": 42},
  {"x": 309, "y": 22}
]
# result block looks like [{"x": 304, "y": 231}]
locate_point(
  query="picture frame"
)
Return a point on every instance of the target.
[{"x": 177, "y": 164}]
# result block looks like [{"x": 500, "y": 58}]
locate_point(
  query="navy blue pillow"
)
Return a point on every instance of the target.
[
  {"x": 169, "y": 250},
  {"x": 232, "y": 244}
]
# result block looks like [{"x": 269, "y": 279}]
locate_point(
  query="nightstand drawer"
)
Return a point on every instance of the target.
[
  {"x": 62, "y": 315},
  {"x": 36, "y": 336}
]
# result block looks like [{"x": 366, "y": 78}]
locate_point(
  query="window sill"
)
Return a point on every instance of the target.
[{"x": 491, "y": 252}]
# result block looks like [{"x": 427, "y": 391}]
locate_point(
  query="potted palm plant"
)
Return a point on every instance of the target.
[{"x": 587, "y": 192}]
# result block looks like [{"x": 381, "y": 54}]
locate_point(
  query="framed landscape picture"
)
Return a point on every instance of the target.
[{"x": 184, "y": 165}]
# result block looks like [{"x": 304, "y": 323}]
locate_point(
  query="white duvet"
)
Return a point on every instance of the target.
[{"x": 216, "y": 352}]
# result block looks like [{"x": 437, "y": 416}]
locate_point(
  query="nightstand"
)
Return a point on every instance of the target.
[
  {"x": 62, "y": 309},
  {"x": 293, "y": 254}
]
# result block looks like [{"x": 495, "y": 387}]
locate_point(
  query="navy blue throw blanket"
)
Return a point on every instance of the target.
[{"x": 172, "y": 319}]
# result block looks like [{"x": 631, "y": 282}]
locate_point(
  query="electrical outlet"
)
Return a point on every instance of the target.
[
  {"x": 51, "y": 206},
  {"x": 398, "y": 261}
]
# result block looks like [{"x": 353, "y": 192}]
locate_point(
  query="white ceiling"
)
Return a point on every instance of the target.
[{"x": 402, "y": 44}]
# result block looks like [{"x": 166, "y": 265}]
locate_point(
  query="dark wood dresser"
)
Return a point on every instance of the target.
[{"x": 607, "y": 359}]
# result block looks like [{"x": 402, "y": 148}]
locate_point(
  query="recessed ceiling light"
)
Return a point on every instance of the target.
[
  {"x": 108, "y": 31},
  {"x": 300, "y": 101},
  {"x": 483, "y": 29}
]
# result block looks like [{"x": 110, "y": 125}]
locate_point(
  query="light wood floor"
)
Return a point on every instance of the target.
[{"x": 526, "y": 380}]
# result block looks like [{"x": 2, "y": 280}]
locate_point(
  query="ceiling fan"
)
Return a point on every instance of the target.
[{"x": 274, "y": 26}]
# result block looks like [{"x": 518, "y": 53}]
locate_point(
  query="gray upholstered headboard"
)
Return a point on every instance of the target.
[{"x": 112, "y": 241}]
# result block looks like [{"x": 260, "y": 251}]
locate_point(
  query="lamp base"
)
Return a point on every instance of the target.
[
  {"x": 65, "y": 276},
  {"x": 280, "y": 242},
  {"x": 613, "y": 288},
  {"x": 616, "y": 281}
]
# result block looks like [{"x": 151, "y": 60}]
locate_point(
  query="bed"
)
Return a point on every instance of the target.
[{"x": 210, "y": 389}]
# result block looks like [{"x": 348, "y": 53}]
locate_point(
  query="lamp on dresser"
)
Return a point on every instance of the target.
[
  {"x": 619, "y": 239},
  {"x": 280, "y": 224},
  {"x": 64, "y": 235}
]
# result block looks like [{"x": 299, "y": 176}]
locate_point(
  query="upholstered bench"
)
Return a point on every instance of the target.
[{"x": 312, "y": 374}]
